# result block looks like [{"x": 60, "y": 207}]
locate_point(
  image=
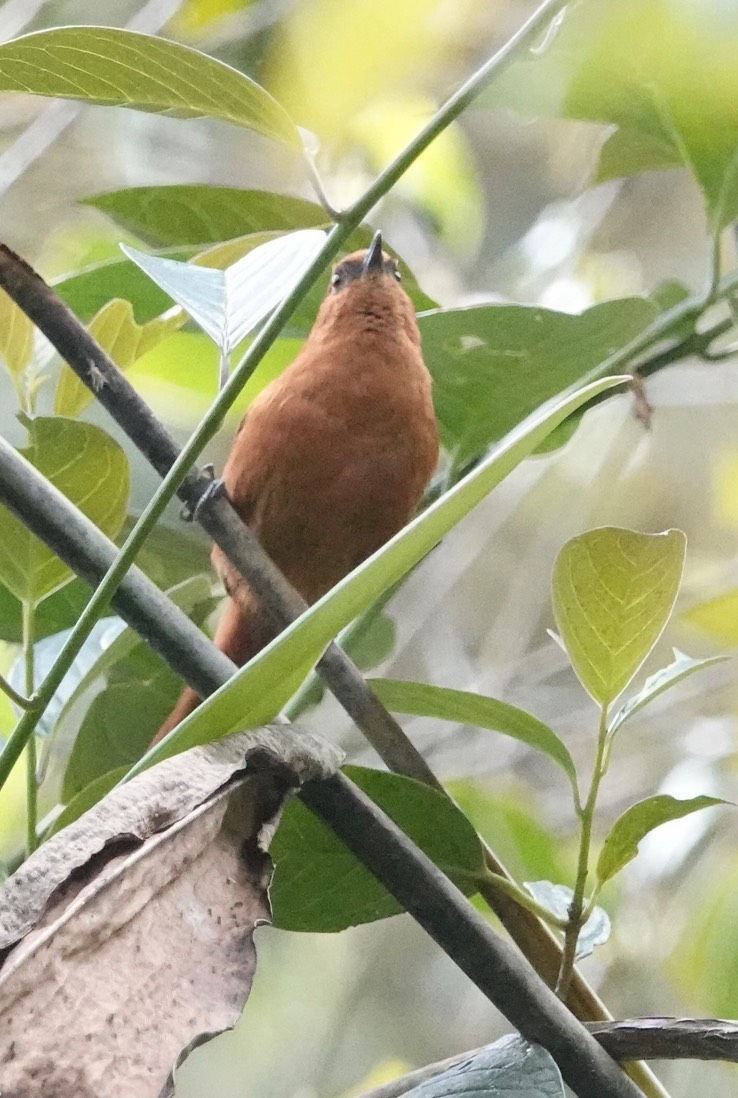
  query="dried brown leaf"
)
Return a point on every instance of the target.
[{"x": 143, "y": 914}]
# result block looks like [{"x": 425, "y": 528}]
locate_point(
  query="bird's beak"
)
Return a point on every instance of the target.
[{"x": 374, "y": 259}]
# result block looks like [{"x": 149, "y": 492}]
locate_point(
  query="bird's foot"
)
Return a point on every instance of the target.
[{"x": 214, "y": 488}]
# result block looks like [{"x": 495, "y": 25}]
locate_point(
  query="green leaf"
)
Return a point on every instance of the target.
[
  {"x": 631, "y": 151},
  {"x": 57, "y": 612},
  {"x": 320, "y": 886},
  {"x": 674, "y": 97},
  {"x": 661, "y": 680},
  {"x": 88, "y": 291},
  {"x": 91, "y": 470},
  {"x": 510, "y": 1068},
  {"x": 228, "y": 304},
  {"x": 116, "y": 697},
  {"x": 466, "y": 708},
  {"x": 494, "y": 364},
  {"x": 557, "y": 899},
  {"x": 621, "y": 845},
  {"x": 195, "y": 215},
  {"x": 125, "y": 69},
  {"x": 613, "y": 591},
  {"x": 117, "y": 332},
  {"x": 16, "y": 341},
  {"x": 260, "y": 689}
]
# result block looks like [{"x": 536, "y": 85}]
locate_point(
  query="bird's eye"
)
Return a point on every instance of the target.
[
  {"x": 335, "y": 280},
  {"x": 397, "y": 275}
]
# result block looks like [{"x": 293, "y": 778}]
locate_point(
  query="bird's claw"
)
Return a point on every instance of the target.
[{"x": 215, "y": 488}]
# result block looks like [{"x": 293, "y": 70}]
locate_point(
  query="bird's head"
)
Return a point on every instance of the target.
[
  {"x": 370, "y": 267},
  {"x": 365, "y": 291}
]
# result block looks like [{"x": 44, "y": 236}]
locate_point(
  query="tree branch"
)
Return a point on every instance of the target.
[{"x": 634, "y": 1039}]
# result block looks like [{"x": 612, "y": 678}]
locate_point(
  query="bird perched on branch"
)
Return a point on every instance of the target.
[{"x": 331, "y": 459}]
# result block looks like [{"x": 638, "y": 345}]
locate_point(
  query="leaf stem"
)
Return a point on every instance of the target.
[
  {"x": 690, "y": 310},
  {"x": 29, "y": 612},
  {"x": 504, "y": 884},
  {"x": 576, "y": 908},
  {"x": 713, "y": 274},
  {"x": 17, "y": 699}
]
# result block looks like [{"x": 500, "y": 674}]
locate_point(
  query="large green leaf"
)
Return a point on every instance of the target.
[
  {"x": 621, "y": 845},
  {"x": 182, "y": 214},
  {"x": 260, "y": 689},
  {"x": 492, "y": 365},
  {"x": 423, "y": 700},
  {"x": 91, "y": 470},
  {"x": 117, "y": 332},
  {"x": 613, "y": 591},
  {"x": 126, "y": 69},
  {"x": 319, "y": 885},
  {"x": 59, "y": 611}
]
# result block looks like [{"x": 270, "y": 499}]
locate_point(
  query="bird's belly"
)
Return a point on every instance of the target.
[{"x": 317, "y": 528}]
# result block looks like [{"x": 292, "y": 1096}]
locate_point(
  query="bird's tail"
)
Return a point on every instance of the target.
[{"x": 243, "y": 630}]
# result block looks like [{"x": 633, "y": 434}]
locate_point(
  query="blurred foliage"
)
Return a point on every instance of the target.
[
  {"x": 658, "y": 70},
  {"x": 619, "y": 95}
]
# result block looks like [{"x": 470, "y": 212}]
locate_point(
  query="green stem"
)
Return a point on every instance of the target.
[
  {"x": 29, "y": 611},
  {"x": 17, "y": 699},
  {"x": 524, "y": 899},
  {"x": 713, "y": 274},
  {"x": 662, "y": 327},
  {"x": 523, "y": 39},
  {"x": 576, "y": 908},
  {"x": 591, "y": 903},
  {"x": 211, "y": 422}
]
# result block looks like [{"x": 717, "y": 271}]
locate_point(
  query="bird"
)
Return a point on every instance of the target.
[{"x": 332, "y": 458}]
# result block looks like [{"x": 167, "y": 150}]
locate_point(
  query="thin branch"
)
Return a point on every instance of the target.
[
  {"x": 442, "y": 910},
  {"x": 634, "y": 1039}
]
